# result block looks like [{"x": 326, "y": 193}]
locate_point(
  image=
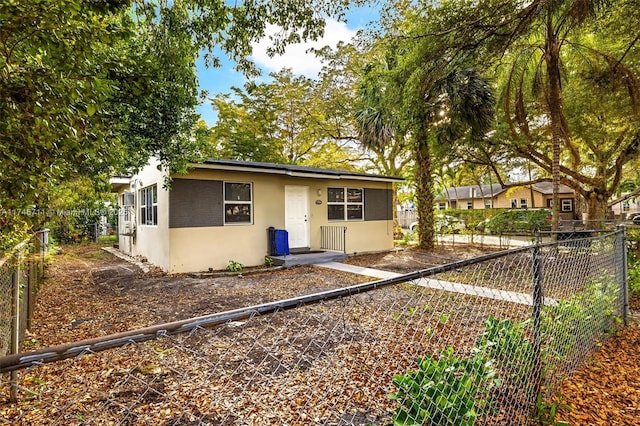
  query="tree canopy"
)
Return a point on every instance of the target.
[{"x": 94, "y": 88}]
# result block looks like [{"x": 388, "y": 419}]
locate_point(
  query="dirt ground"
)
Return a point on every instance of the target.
[{"x": 90, "y": 293}]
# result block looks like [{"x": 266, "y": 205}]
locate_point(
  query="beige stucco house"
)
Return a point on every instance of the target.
[
  {"x": 539, "y": 195},
  {"x": 222, "y": 210}
]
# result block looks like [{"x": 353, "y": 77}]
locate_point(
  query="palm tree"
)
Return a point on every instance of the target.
[
  {"x": 379, "y": 133},
  {"x": 536, "y": 45},
  {"x": 456, "y": 106}
]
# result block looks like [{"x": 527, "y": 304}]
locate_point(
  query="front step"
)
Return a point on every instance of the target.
[{"x": 309, "y": 258}]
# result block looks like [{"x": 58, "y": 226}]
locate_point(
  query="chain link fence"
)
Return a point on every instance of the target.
[
  {"x": 472, "y": 342},
  {"x": 21, "y": 272}
]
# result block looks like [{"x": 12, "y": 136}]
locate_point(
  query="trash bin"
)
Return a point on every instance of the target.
[{"x": 278, "y": 241}]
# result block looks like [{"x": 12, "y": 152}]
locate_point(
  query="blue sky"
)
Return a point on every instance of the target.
[{"x": 220, "y": 80}]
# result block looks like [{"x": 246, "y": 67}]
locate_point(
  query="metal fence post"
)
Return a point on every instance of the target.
[
  {"x": 538, "y": 299},
  {"x": 624, "y": 279},
  {"x": 15, "y": 326}
]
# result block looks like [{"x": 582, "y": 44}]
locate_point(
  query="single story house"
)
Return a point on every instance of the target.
[
  {"x": 626, "y": 208},
  {"x": 222, "y": 210},
  {"x": 539, "y": 195}
]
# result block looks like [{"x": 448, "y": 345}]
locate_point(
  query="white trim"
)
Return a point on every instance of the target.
[{"x": 225, "y": 202}]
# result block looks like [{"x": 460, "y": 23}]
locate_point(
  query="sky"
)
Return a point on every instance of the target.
[{"x": 219, "y": 80}]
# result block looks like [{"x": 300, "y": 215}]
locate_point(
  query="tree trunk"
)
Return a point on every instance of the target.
[
  {"x": 397, "y": 230},
  {"x": 596, "y": 210},
  {"x": 554, "y": 101},
  {"x": 424, "y": 190}
]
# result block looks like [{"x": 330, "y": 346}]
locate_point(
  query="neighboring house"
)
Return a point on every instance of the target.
[
  {"x": 494, "y": 196},
  {"x": 627, "y": 208},
  {"x": 222, "y": 209}
]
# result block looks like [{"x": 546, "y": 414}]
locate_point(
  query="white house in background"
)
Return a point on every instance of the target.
[
  {"x": 222, "y": 209},
  {"x": 626, "y": 208}
]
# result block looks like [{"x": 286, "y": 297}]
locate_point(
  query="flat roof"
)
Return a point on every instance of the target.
[
  {"x": 291, "y": 170},
  {"x": 119, "y": 182}
]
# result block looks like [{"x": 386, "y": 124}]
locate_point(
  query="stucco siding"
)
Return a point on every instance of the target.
[
  {"x": 200, "y": 248},
  {"x": 150, "y": 241}
]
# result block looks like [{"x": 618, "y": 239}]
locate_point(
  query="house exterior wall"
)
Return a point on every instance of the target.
[
  {"x": 150, "y": 241},
  {"x": 503, "y": 200},
  {"x": 179, "y": 244},
  {"x": 624, "y": 209}
]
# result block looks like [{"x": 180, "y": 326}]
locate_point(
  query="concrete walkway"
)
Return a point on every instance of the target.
[
  {"x": 124, "y": 256},
  {"x": 474, "y": 290},
  {"x": 506, "y": 241}
]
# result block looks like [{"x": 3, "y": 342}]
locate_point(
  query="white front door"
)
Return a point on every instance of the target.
[{"x": 296, "y": 210}]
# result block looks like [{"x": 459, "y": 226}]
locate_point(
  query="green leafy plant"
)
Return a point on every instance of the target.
[
  {"x": 571, "y": 324},
  {"x": 448, "y": 390},
  {"x": 268, "y": 261},
  {"x": 634, "y": 276},
  {"x": 517, "y": 221},
  {"x": 507, "y": 343},
  {"x": 234, "y": 266},
  {"x": 546, "y": 412},
  {"x": 408, "y": 238},
  {"x": 443, "y": 318}
]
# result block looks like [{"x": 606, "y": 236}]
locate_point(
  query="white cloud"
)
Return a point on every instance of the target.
[{"x": 296, "y": 56}]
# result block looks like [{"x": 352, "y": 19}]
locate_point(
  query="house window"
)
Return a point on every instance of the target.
[
  {"x": 567, "y": 205},
  {"x": 514, "y": 204},
  {"x": 345, "y": 203},
  {"x": 442, "y": 206},
  {"x": 523, "y": 203},
  {"x": 149, "y": 205},
  {"x": 488, "y": 204},
  {"x": 238, "y": 203},
  {"x": 125, "y": 208},
  {"x": 626, "y": 206},
  {"x": 469, "y": 205}
]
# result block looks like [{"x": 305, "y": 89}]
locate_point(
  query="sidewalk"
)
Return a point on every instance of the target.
[
  {"x": 505, "y": 241},
  {"x": 436, "y": 284}
]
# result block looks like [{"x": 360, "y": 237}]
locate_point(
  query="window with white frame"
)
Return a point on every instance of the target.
[
  {"x": 523, "y": 203},
  {"x": 149, "y": 205},
  {"x": 469, "y": 205},
  {"x": 514, "y": 204},
  {"x": 442, "y": 206},
  {"x": 626, "y": 206},
  {"x": 238, "y": 203},
  {"x": 345, "y": 203},
  {"x": 126, "y": 214},
  {"x": 488, "y": 204},
  {"x": 567, "y": 205}
]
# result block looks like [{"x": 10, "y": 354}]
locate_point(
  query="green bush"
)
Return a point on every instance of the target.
[
  {"x": 472, "y": 218},
  {"x": 633, "y": 261},
  {"x": 517, "y": 221},
  {"x": 570, "y": 324},
  {"x": 234, "y": 266},
  {"x": 448, "y": 390},
  {"x": 507, "y": 343},
  {"x": 634, "y": 277}
]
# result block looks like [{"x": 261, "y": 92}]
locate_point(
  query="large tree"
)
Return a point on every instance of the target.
[
  {"x": 286, "y": 120},
  {"x": 569, "y": 84},
  {"x": 430, "y": 92},
  {"x": 90, "y": 87}
]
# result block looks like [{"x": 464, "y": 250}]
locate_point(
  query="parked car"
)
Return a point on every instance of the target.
[
  {"x": 636, "y": 219},
  {"x": 444, "y": 224},
  {"x": 517, "y": 221}
]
